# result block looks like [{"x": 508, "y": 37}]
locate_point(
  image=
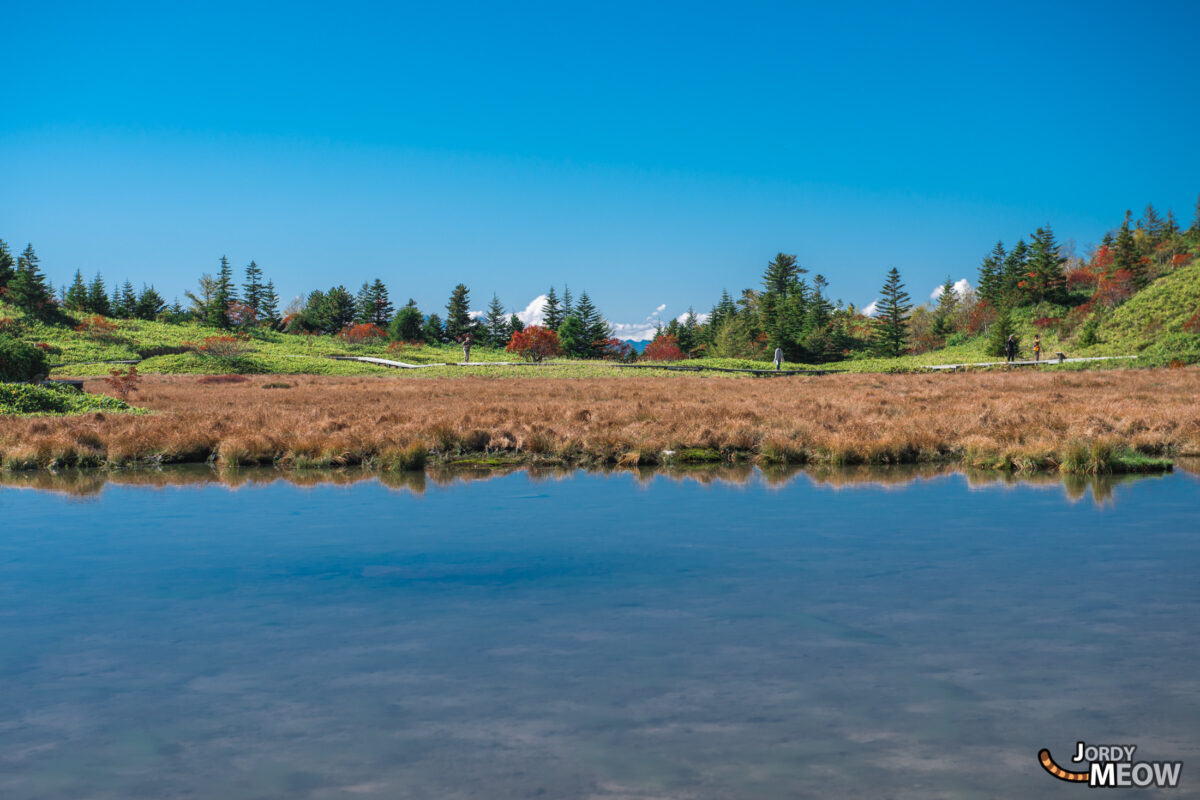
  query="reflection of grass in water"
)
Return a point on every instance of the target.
[{"x": 86, "y": 483}]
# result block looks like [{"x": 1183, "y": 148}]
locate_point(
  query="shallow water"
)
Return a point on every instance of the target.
[{"x": 884, "y": 634}]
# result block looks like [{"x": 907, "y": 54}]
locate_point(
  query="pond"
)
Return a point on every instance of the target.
[{"x": 590, "y": 635}]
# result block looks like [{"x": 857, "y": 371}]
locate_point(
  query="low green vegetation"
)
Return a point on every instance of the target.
[{"x": 24, "y": 399}]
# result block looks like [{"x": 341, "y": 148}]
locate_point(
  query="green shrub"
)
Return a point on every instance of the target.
[
  {"x": 20, "y": 361},
  {"x": 26, "y": 398}
]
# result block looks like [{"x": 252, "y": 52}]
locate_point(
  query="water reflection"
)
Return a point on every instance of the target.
[{"x": 90, "y": 483}]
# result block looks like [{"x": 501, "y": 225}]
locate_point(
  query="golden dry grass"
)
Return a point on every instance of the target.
[{"x": 1019, "y": 420}]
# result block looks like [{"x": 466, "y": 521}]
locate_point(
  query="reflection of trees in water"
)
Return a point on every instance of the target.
[{"x": 90, "y": 483}]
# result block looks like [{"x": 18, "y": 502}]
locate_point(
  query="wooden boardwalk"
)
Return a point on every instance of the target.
[{"x": 1046, "y": 362}]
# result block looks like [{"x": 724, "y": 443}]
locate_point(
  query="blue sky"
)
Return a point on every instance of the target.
[{"x": 652, "y": 153}]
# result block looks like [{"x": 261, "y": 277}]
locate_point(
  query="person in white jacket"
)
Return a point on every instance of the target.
[{"x": 778, "y": 358}]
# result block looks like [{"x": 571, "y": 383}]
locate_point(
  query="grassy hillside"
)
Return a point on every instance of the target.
[{"x": 1159, "y": 324}]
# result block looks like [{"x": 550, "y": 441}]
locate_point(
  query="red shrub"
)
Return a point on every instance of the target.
[
  {"x": 665, "y": 347},
  {"x": 1114, "y": 289},
  {"x": 1193, "y": 324},
  {"x": 97, "y": 327},
  {"x": 614, "y": 349},
  {"x": 123, "y": 382},
  {"x": 366, "y": 333},
  {"x": 221, "y": 346},
  {"x": 1042, "y": 323},
  {"x": 980, "y": 316},
  {"x": 534, "y": 343}
]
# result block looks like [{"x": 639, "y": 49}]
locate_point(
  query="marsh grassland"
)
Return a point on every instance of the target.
[{"x": 1119, "y": 420}]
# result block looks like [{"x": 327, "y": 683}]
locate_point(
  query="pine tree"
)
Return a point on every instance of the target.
[
  {"x": 1152, "y": 224},
  {"x": 149, "y": 303},
  {"x": 363, "y": 312},
  {"x": 202, "y": 303},
  {"x": 572, "y": 338},
  {"x": 76, "y": 298},
  {"x": 335, "y": 310},
  {"x": 1125, "y": 254},
  {"x": 891, "y": 329},
  {"x": 252, "y": 289},
  {"x": 567, "y": 307},
  {"x": 515, "y": 324},
  {"x": 999, "y": 332},
  {"x": 7, "y": 272},
  {"x": 458, "y": 316},
  {"x": 28, "y": 289},
  {"x": 269, "y": 304},
  {"x": 1170, "y": 227},
  {"x": 1194, "y": 231},
  {"x": 496, "y": 323},
  {"x": 782, "y": 274},
  {"x": 406, "y": 325},
  {"x": 946, "y": 306},
  {"x": 1045, "y": 279},
  {"x": 552, "y": 313},
  {"x": 381, "y": 304},
  {"x": 97, "y": 297},
  {"x": 991, "y": 275},
  {"x": 125, "y": 305},
  {"x": 1013, "y": 272},
  {"x": 432, "y": 330},
  {"x": 223, "y": 296},
  {"x": 594, "y": 326}
]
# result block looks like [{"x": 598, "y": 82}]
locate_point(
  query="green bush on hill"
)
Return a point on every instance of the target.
[
  {"x": 23, "y": 399},
  {"x": 20, "y": 361}
]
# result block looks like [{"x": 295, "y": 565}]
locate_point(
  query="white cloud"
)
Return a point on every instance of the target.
[
  {"x": 871, "y": 308},
  {"x": 700, "y": 318},
  {"x": 660, "y": 309},
  {"x": 961, "y": 288},
  {"x": 633, "y": 331},
  {"x": 535, "y": 312},
  {"x": 476, "y": 314}
]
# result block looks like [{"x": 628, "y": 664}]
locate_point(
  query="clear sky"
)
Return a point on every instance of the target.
[{"x": 652, "y": 153}]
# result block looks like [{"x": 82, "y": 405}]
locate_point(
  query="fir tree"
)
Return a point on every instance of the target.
[
  {"x": 97, "y": 297},
  {"x": 1152, "y": 224},
  {"x": 458, "y": 316},
  {"x": 552, "y": 313},
  {"x": 269, "y": 304},
  {"x": 1125, "y": 253},
  {"x": 28, "y": 288},
  {"x": 572, "y": 337},
  {"x": 496, "y": 323},
  {"x": 334, "y": 310},
  {"x": 363, "y": 312},
  {"x": 515, "y": 324},
  {"x": 381, "y": 304},
  {"x": 991, "y": 275},
  {"x": 567, "y": 308},
  {"x": 782, "y": 274},
  {"x": 594, "y": 326},
  {"x": 7, "y": 272},
  {"x": 946, "y": 306},
  {"x": 252, "y": 289},
  {"x": 76, "y": 298},
  {"x": 999, "y": 332},
  {"x": 891, "y": 325},
  {"x": 149, "y": 303},
  {"x": 1044, "y": 279},
  {"x": 406, "y": 325},
  {"x": 1013, "y": 272},
  {"x": 222, "y": 297},
  {"x": 125, "y": 305},
  {"x": 432, "y": 330}
]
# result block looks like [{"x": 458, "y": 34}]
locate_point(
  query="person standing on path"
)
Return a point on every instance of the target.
[
  {"x": 778, "y": 358},
  {"x": 466, "y": 343},
  {"x": 1037, "y": 348},
  {"x": 1010, "y": 348}
]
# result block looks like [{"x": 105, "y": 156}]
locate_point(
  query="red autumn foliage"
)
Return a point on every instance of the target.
[
  {"x": 366, "y": 333},
  {"x": 1042, "y": 323},
  {"x": 534, "y": 343},
  {"x": 241, "y": 315},
  {"x": 396, "y": 347},
  {"x": 980, "y": 316},
  {"x": 221, "y": 346},
  {"x": 665, "y": 347},
  {"x": 96, "y": 327},
  {"x": 1114, "y": 289},
  {"x": 1193, "y": 324},
  {"x": 123, "y": 382},
  {"x": 614, "y": 349}
]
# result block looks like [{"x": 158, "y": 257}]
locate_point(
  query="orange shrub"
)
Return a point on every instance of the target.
[
  {"x": 534, "y": 343},
  {"x": 366, "y": 333},
  {"x": 97, "y": 327},
  {"x": 665, "y": 347},
  {"x": 123, "y": 382},
  {"x": 221, "y": 346}
]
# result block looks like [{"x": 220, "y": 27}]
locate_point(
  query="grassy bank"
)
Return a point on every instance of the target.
[{"x": 1114, "y": 421}]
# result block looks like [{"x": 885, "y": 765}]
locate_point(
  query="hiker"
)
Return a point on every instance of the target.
[
  {"x": 466, "y": 343},
  {"x": 778, "y": 358},
  {"x": 1037, "y": 348},
  {"x": 1010, "y": 348}
]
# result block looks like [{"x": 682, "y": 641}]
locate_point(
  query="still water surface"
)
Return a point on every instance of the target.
[{"x": 592, "y": 636}]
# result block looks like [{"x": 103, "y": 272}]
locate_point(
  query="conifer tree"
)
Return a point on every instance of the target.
[
  {"x": 125, "y": 304},
  {"x": 432, "y": 330},
  {"x": 28, "y": 288},
  {"x": 572, "y": 337},
  {"x": 1152, "y": 224},
  {"x": 496, "y": 323},
  {"x": 782, "y": 274},
  {"x": 991, "y": 275},
  {"x": 76, "y": 298},
  {"x": 458, "y": 316},
  {"x": 1044, "y": 278},
  {"x": 891, "y": 326},
  {"x": 252, "y": 289},
  {"x": 515, "y": 324},
  {"x": 567, "y": 308},
  {"x": 222, "y": 297},
  {"x": 1125, "y": 254},
  {"x": 594, "y": 326},
  {"x": 381, "y": 304},
  {"x": 363, "y": 311},
  {"x": 7, "y": 272},
  {"x": 149, "y": 303},
  {"x": 552, "y": 313},
  {"x": 946, "y": 306},
  {"x": 1013, "y": 272},
  {"x": 406, "y": 325},
  {"x": 269, "y": 304},
  {"x": 97, "y": 297}
]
